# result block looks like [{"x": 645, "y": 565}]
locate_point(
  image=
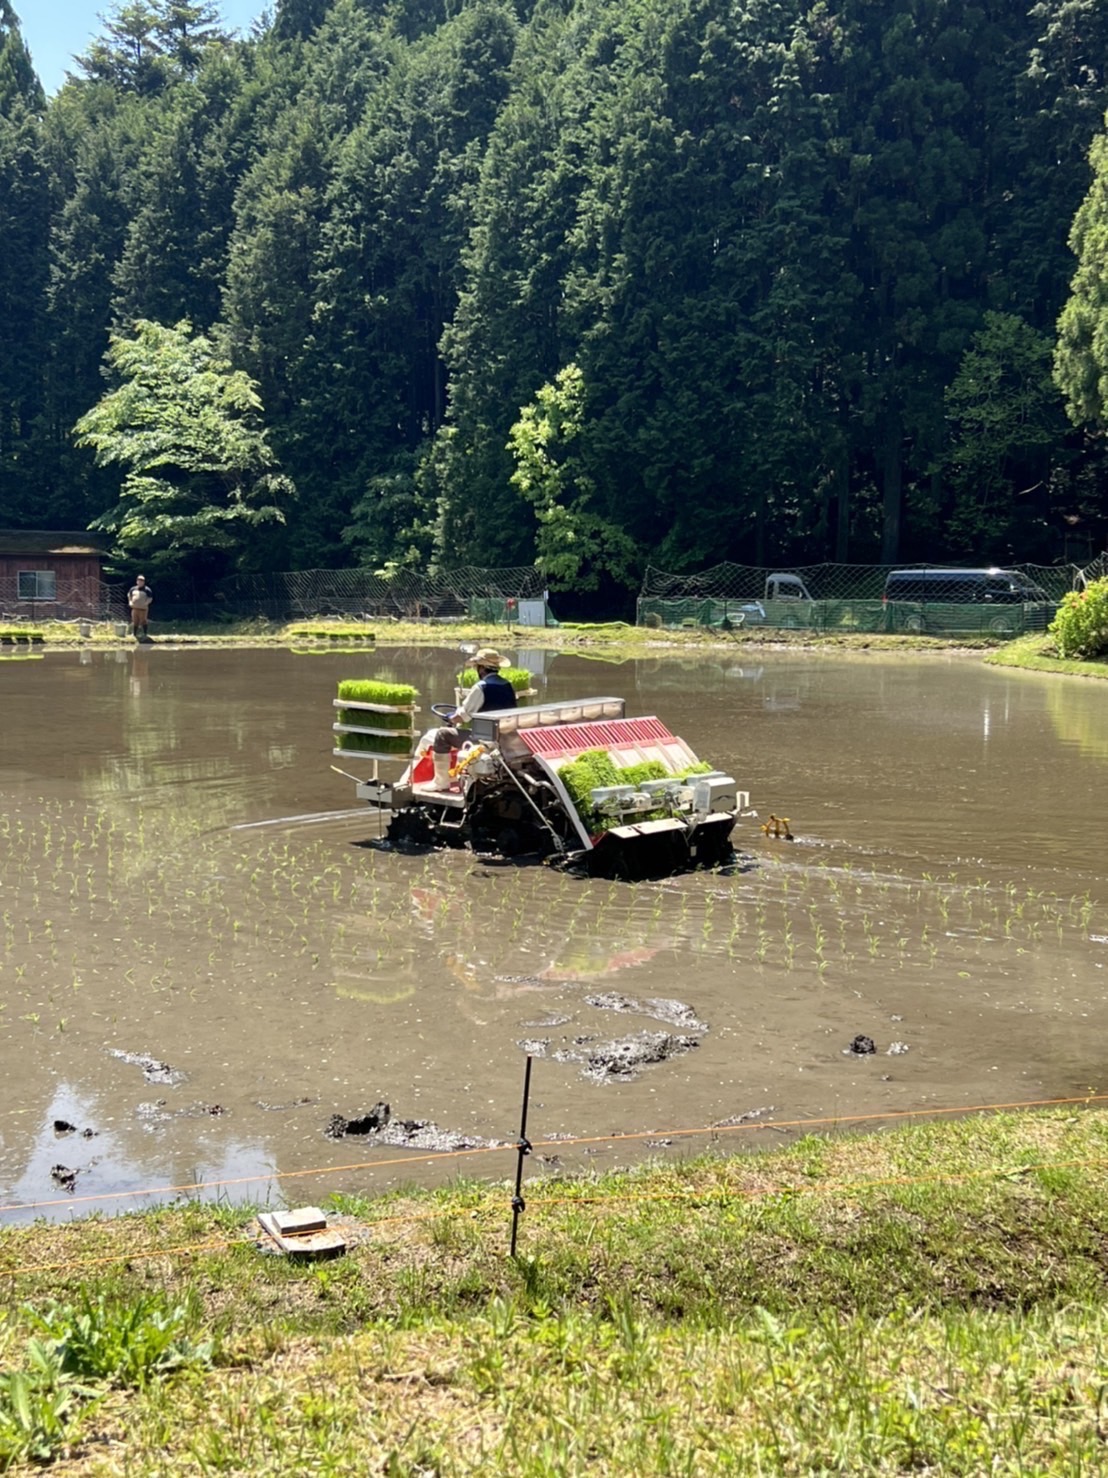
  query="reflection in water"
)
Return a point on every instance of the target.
[
  {"x": 565, "y": 945},
  {"x": 1079, "y": 712},
  {"x": 179, "y": 880},
  {"x": 81, "y": 1171},
  {"x": 140, "y": 671}
]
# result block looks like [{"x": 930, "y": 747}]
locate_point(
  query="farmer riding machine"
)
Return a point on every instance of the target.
[{"x": 577, "y": 783}]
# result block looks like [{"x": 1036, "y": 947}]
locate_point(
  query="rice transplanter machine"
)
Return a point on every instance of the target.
[{"x": 577, "y": 783}]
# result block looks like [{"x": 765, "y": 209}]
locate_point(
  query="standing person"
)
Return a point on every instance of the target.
[{"x": 140, "y": 598}]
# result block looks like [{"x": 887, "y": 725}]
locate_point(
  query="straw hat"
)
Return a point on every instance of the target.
[{"x": 488, "y": 657}]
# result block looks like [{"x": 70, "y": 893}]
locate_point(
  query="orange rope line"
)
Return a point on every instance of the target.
[
  {"x": 118, "y": 1257},
  {"x": 846, "y": 1186},
  {"x": 966, "y": 1108},
  {"x": 706, "y": 1196},
  {"x": 204, "y": 1185},
  {"x": 434, "y": 1156}
]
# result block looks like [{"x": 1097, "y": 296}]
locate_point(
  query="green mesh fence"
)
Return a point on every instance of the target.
[
  {"x": 508, "y": 611},
  {"x": 406, "y": 595},
  {"x": 946, "y": 601}
]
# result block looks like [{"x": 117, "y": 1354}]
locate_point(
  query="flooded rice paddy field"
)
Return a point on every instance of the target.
[{"x": 202, "y": 963}]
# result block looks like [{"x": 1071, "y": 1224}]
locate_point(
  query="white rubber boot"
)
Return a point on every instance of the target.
[{"x": 442, "y": 771}]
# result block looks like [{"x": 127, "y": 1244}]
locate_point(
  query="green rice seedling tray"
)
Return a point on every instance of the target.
[
  {"x": 390, "y": 745},
  {"x": 358, "y": 691}
]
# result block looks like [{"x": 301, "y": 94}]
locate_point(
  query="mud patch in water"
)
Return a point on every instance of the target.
[
  {"x": 63, "y": 1129},
  {"x": 661, "y": 1008},
  {"x": 381, "y": 1127},
  {"x": 153, "y": 1070},
  {"x": 626, "y": 1057}
]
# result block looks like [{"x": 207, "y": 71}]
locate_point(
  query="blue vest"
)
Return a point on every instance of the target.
[{"x": 498, "y": 691}]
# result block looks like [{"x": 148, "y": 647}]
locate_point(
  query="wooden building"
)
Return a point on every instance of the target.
[{"x": 50, "y": 574}]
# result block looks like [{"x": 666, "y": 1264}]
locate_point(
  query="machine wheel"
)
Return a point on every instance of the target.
[
  {"x": 523, "y": 840},
  {"x": 410, "y": 828},
  {"x": 711, "y": 844},
  {"x": 510, "y": 842},
  {"x": 914, "y": 624},
  {"x": 1001, "y": 625},
  {"x": 636, "y": 859}
]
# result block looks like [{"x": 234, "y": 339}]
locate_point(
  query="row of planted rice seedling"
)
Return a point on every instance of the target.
[
  {"x": 260, "y": 902},
  {"x": 264, "y": 905}
]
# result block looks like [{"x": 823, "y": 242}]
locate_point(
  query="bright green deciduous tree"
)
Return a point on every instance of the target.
[
  {"x": 200, "y": 478},
  {"x": 1081, "y": 359},
  {"x": 575, "y": 546}
]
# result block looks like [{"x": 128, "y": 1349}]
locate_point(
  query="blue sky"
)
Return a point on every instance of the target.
[{"x": 56, "y": 30}]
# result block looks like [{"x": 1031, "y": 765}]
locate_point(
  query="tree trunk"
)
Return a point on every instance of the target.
[
  {"x": 842, "y": 521},
  {"x": 892, "y": 470}
]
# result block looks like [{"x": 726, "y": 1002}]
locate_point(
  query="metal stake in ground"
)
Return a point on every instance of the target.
[{"x": 523, "y": 1145}]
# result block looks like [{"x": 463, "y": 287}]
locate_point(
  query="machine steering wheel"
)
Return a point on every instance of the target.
[{"x": 443, "y": 710}]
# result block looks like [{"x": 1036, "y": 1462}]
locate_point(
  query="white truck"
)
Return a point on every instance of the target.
[{"x": 785, "y": 601}]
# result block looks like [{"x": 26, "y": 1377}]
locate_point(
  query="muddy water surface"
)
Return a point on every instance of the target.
[{"x": 201, "y": 961}]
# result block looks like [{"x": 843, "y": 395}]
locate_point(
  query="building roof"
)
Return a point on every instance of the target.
[{"x": 50, "y": 541}]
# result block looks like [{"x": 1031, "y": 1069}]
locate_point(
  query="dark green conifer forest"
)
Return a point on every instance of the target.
[{"x": 593, "y": 282}]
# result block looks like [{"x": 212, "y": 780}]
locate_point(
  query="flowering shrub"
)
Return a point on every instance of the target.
[{"x": 1080, "y": 629}]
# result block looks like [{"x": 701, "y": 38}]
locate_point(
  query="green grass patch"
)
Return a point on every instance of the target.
[
  {"x": 614, "y": 641},
  {"x": 361, "y": 690},
  {"x": 122, "y": 1341},
  {"x": 1039, "y": 654},
  {"x": 599, "y": 628},
  {"x": 931, "y": 1299}
]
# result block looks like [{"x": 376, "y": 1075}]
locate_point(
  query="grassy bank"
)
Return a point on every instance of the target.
[
  {"x": 925, "y": 1300},
  {"x": 606, "y": 635},
  {"x": 1038, "y": 654}
]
